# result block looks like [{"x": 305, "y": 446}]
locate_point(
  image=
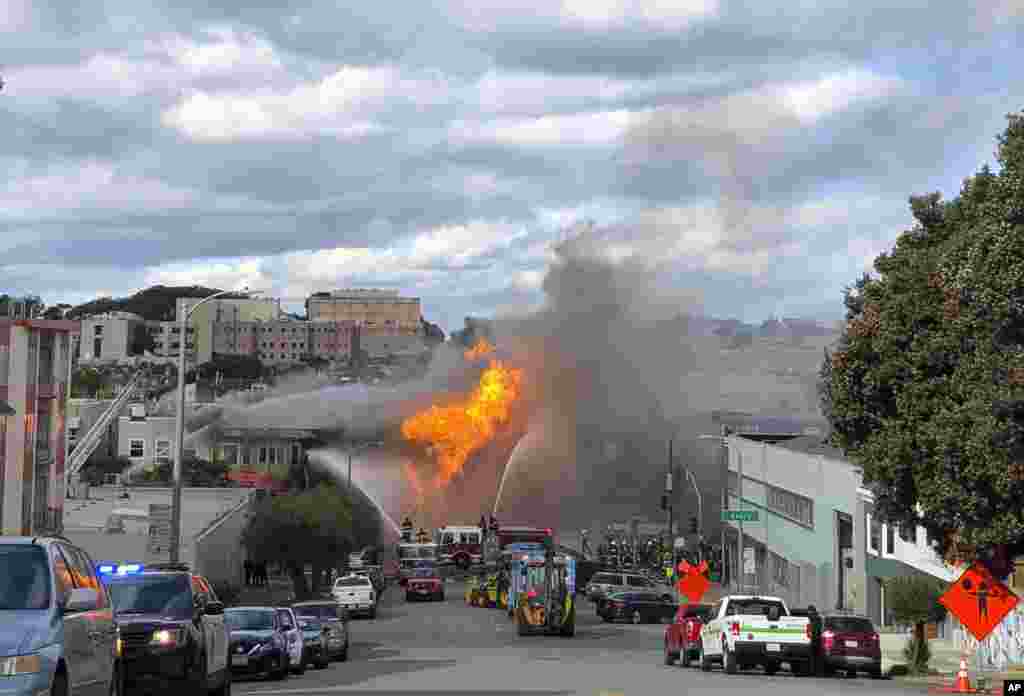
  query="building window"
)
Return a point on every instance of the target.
[
  {"x": 908, "y": 533},
  {"x": 273, "y": 456},
  {"x": 163, "y": 451},
  {"x": 136, "y": 449},
  {"x": 97, "y": 330},
  {"x": 780, "y": 570},
  {"x": 890, "y": 539},
  {"x": 874, "y": 534},
  {"x": 790, "y": 504}
]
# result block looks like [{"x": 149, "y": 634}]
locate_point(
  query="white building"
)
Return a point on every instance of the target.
[{"x": 110, "y": 337}]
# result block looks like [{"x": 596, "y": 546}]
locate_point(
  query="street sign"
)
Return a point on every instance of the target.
[
  {"x": 739, "y": 515},
  {"x": 979, "y": 600}
]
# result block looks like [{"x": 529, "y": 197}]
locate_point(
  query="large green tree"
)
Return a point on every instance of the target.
[
  {"x": 925, "y": 390},
  {"x": 312, "y": 527}
]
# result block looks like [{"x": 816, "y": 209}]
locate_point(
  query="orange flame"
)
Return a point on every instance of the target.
[
  {"x": 457, "y": 431},
  {"x": 479, "y": 350}
]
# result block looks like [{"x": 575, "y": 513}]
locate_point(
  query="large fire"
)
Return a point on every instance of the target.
[{"x": 455, "y": 432}]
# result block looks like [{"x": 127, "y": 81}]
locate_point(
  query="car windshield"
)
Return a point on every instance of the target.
[
  {"x": 755, "y": 608},
  {"x": 249, "y": 619},
  {"x": 849, "y": 624},
  {"x": 317, "y": 612},
  {"x": 352, "y": 582},
  {"x": 166, "y": 595},
  {"x": 24, "y": 577}
]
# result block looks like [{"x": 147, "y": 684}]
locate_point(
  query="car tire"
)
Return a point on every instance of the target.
[
  {"x": 771, "y": 669},
  {"x": 225, "y": 684},
  {"x": 116, "y": 683},
  {"x": 200, "y": 681},
  {"x": 828, "y": 671},
  {"x": 705, "y": 663},
  {"x": 875, "y": 672},
  {"x": 300, "y": 669},
  {"x": 408, "y": 597},
  {"x": 60, "y": 685},
  {"x": 343, "y": 657},
  {"x": 669, "y": 657},
  {"x": 323, "y": 662},
  {"x": 280, "y": 670},
  {"x": 729, "y": 661}
]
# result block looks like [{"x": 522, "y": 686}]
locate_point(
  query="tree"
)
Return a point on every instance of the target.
[
  {"x": 925, "y": 390},
  {"x": 314, "y": 526},
  {"x": 97, "y": 468},
  {"x": 86, "y": 382},
  {"x": 915, "y": 600},
  {"x": 142, "y": 341}
]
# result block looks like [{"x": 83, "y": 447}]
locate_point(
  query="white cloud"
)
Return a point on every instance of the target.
[
  {"x": 460, "y": 245},
  {"x": 166, "y": 66},
  {"x": 17, "y": 16},
  {"x": 593, "y": 15},
  {"x": 342, "y": 104},
  {"x": 596, "y": 128},
  {"x": 815, "y": 99},
  {"x": 82, "y": 187}
]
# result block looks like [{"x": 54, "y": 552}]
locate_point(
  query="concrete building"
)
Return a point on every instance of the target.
[
  {"x": 34, "y": 360},
  {"x": 110, "y": 337},
  {"x": 285, "y": 340},
  {"x": 371, "y": 309},
  {"x": 147, "y": 440},
  {"x": 82, "y": 415},
  {"x": 167, "y": 339},
  {"x": 815, "y": 540},
  {"x": 379, "y": 346},
  {"x": 333, "y": 340},
  {"x": 221, "y": 311}
]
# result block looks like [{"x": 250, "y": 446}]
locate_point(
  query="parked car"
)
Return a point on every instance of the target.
[
  {"x": 331, "y": 620},
  {"x": 637, "y": 607},
  {"x": 605, "y": 583},
  {"x": 257, "y": 642},
  {"x": 57, "y": 634},
  {"x": 682, "y": 636},
  {"x": 850, "y": 643},
  {"x": 294, "y": 636},
  {"x": 357, "y": 594}
]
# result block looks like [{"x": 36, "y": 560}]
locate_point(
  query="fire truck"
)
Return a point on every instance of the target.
[
  {"x": 460, "y": 546},
  {"x": 496, "y": 541},
  {"x": 411, "y": 556}
]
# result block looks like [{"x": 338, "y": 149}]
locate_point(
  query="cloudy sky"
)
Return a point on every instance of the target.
[{"x": 758, "y": 153}]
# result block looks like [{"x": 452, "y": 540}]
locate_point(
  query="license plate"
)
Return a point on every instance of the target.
[
  {"x": 851, "y": 644},
  {"x": 773, "y": 647},
  {"x": 240, "y": 660}
]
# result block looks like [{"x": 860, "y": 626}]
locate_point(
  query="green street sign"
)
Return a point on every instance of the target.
[{"x": 739, "y": 515}]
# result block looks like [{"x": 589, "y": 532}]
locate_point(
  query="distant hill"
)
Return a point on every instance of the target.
[
  {"x": 154, "y": 304},
  {"x": 771, "y": 328}
]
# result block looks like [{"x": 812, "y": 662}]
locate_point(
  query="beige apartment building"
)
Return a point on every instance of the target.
[
  {"x": 375, "y": 311},
  {"x": 221, "y": 311}
]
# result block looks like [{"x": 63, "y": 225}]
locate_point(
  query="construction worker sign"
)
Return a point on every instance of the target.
[
  {"x": 693, "y": 582},
  {"x": 979, "y": 600}
]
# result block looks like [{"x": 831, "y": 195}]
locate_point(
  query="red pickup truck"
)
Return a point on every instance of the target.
[{"x": 682, "y": 636}]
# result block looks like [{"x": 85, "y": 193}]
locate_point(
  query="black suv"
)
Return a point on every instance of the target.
[{"x": 171, "y": 630}]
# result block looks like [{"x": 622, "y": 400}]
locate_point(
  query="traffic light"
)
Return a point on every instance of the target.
[{"x": 693, "y": 525}]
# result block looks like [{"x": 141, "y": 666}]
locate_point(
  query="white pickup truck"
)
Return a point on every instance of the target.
[
  {"x": 746, "y": 631},
  {"x": 356, "y": 593}
]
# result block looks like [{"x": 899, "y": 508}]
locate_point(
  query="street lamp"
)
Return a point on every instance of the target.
[
  {"x": 700, "y": 513},
  {"x": 179, "y": 425},
  {"x": 723, "y": 439}
]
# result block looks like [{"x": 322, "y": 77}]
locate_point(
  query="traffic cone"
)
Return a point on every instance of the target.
[{"x": 963, "y": 684}]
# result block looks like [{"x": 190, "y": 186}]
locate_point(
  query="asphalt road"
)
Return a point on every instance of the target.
[{"x": 451, "y": 648}]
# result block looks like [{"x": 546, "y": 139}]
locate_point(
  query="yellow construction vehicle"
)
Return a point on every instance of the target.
[{"x": 544, "y": 593}]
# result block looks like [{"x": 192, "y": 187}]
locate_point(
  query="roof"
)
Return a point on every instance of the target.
[{"x": 812, "y": 444}]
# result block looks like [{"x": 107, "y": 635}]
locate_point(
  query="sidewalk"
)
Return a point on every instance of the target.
[{"x": 945, "y": 653}]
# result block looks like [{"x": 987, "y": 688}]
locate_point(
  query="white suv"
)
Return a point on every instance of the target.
[{"x": 356, "y": 594}]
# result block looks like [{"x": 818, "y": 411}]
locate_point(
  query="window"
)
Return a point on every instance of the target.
[
  {"x": 136, "y": 448},
  {"x": 273, "y": 456},
  {"x": 246, "y": 456},
  {"x": 97, "y": 330},
  {"x": 780, "y": 570},
  {"x": 874, "y": 534},
  {"x": 890, "y": 539},
  {"x": 790, "y": 504},
  {"x": 163, "y": 451},
  {"x": 263, "y": 455},
  {"x": 908, "y": 533}
]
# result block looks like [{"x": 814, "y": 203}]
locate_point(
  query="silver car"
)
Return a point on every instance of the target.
[
  {"x": 605, "y": 583},
  {"x": 57, "y": 631}
]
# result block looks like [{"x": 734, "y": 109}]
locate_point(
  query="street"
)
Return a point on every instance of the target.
[{"x": 449, "y": 647}]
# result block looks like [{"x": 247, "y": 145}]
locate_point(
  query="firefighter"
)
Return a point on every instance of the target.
[
  {"x": 422, "y": 537},
  {"x": 407, "y": 528}
]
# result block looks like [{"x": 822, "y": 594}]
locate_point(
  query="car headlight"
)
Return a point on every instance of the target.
[
  {"x": 168, "y": 637},
  {"x": 20, "y": 664}
]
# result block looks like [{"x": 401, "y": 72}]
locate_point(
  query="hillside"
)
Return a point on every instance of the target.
[{"x": 155, "y": 304}]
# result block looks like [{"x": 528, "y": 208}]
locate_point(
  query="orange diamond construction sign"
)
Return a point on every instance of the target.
[{"x": 979, "y": 601}]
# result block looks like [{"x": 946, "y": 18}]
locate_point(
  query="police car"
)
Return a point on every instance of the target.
[{"x": 170, "y": 627}]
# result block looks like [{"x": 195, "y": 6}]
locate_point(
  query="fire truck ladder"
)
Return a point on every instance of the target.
[{"x": 92, "y": 439}]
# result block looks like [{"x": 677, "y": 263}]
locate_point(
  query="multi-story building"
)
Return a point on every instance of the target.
[
  {"x": 146, "y": 440},
  {"x": 34, "y": 360},
  {"x": 378, "y": 346},
  {"x": 222, "y": 311},
  {"x": 815, "y": 540},
  {"x": 111, "y": 337},
  {"x": 372, "y": 310},
  {"x": 167, "y": 339},
  {"x": 285, "y": 340}
]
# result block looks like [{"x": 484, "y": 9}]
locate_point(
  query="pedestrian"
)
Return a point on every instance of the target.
[{"x": 817, "y": 663}]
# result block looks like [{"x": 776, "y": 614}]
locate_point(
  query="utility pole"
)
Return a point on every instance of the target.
[
  {"x": 725, "y": 499},
  {"x": 739, "y": 506},
  {"x": 668, "y": 496}
]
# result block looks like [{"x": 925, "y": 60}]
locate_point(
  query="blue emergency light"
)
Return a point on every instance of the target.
[{"x": 119, "y": 569}]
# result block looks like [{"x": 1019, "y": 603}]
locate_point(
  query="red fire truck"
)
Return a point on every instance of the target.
[{"x": 459, "y": 545}]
